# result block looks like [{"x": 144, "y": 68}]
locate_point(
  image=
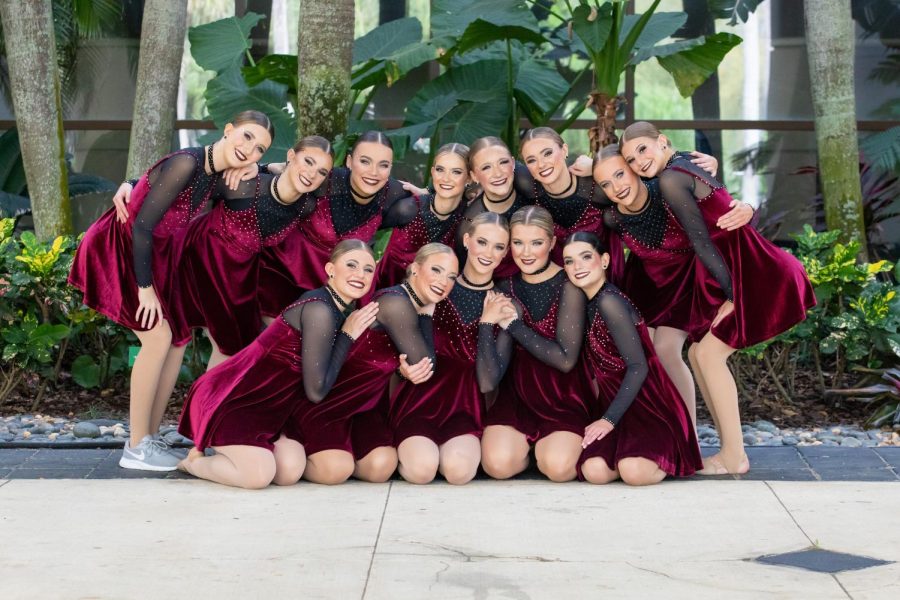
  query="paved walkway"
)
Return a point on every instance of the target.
[
  {"x": 62, "y": 536},
  {"x": 801, "y": 463}
]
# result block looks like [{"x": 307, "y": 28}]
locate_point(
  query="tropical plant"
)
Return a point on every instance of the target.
[{"x": 615, "y": 42}]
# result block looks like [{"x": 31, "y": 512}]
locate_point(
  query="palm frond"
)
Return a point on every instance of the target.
[{"x": 882, "y": 149}]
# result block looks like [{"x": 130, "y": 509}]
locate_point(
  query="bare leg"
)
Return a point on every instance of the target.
[
  {"x": 640, "y": 471},
  {"x": 329, "y": 467},
  {"x": 557, "y": 455},
  {"x": 247, "y": 467},
  {"x": 216, "y": 356},
  {"x": 290, "y": 461},
  {"x": 378, "y": 465},
  {"x": 669, "y": 345},
  {"x": 267, "y": 320},
  {"x": 145, "y": 375},
  {"x": 701, "y": 383},
  {"x": 595, "y": 470},
  {"x": 419, "y": 459},
  {"x": 168, "y": 377},
  {"x": 460, "y": 457},
  {"x": 712, "y": 357},
  {"x": 504, "y": 451}
]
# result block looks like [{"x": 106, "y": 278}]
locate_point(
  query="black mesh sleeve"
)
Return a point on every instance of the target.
[
  {"x": 167, "y": 181},
  {"x": 562, "y": 352},
  {"x": 400, "y": 206},
  {"x": 676, "y": 188},
  {"x": 617, "y": 313},
  {"x": 426, "y": 326},
  {"x": 324, "y": 348},
  {"x": 587, "y": 188},
  {"x": 523, "y": 181},
  {"x": 399, "y": 318},
  {"x": 132, "y": 182},
  {"x": 240, "y": 198},
  {"x": 494, "y": 355}
]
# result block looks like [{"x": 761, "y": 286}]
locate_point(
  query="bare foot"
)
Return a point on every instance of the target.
[
  {"x": 193, "y": 454},
  {"x": 714, "y": 465}
]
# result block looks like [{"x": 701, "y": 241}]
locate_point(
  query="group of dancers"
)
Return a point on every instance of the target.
[{"x": 502, "y": 318}]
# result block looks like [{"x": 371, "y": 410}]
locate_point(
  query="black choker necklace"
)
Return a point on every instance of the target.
[
  {"x": 568, "y": 190},
  {"x": 412, "y": 294},
  {"x": 209, "y": 153},
  {"x": 508, "y": 196},
  {"x": 360, "y": 196},
  {"x": 475, "y": 285},
  {"x": 337, "y": 298},
  {"x": 275, "y": 193},
  {"x": 541, "y": 270},
  {"x": 440, "y": 214}
]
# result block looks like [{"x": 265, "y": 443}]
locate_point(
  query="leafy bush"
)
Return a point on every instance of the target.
[{"x": 853, "y": 328}]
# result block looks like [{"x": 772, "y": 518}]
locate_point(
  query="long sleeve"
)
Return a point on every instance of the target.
[
  {"x": 426, "y": 326},
  {"x": 324, "y": 348},
  {"x": 167, "y": 181},
  {"x": 617, "y": 314},
  {"x": 401, "y": 321},
  {"x": 523, "y": 181},
  {"x": 400, "y": 207},
  {"x": 494, "y": 355},
  {"x": 677, "y": 191},
  {"x": 562, "y": 352}
]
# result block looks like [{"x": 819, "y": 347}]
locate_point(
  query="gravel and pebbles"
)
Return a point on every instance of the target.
[{"x": 43, "y": 429}]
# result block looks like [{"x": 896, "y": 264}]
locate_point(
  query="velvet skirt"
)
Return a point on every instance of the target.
[
  {"x": 657, "y": 425},
  {"x": 538, "y": 400},
  {"x": 218, "y": 281},
  {"x": 353, "y": 416},
  {"x": 771, "y": 289},
  {"x": 249, "y": 399}
]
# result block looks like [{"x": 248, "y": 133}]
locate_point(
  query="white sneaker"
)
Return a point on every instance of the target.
[{"x": 149, "y": 455}]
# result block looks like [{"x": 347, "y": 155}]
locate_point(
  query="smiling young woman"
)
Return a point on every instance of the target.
[{"x": 123, "y": 267}]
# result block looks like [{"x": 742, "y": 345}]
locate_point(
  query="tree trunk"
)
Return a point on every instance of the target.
[
  {"x": 31, "y": 56},
  {"x": 156, "y": 97},
  {"x": 830, "y": 46},
  {"x": 324, "y": 55},
  {"x": 604, "y": 132}
]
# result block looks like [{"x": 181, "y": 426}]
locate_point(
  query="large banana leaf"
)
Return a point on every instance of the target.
[
  {"x": 460, "y": 25},
  {"x": 388, "y": 39},
  {"x": 692, "y": 66},
  {"x": 539, "y": 89},
  {"x": 222, "y": 44},
  {"x": 389, "y": 52},
  {"x": 593, "y": 33},
  {"x": 280, "y": 68},
  {"x": 660, "y": 26},
  {"x": 228, "y": 94}
]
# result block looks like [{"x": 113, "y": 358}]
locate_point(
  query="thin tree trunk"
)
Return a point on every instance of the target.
[
  {"x": 324, "y": 55},
  {"x": 31, "y": 56},
  {"x": 830, "y": 46},
  {"x": 156, "y": 98}
]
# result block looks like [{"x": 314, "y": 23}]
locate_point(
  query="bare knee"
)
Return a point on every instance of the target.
[
  {"x": 290, "y": 463},
  {"x": 330, "y": 470},
  {"x": 378, "y": 465},
  {"x": 557, "y": 467},
  {"x": 258, "y": 475},
  {"x": 419, "y": 470},
  {"x": 158, "y": 337},
  {"x": 595, "y": 470},
  {"x": 640, "y": 471},
  {"x": 502, "y": 461},
  {"x": 458, "y": 470}
]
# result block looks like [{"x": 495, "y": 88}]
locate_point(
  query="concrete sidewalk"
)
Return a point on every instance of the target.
[{"x": 522, "y": 539}]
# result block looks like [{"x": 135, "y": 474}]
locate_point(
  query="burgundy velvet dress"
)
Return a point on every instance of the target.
[
  {"x": 406, "y": 240},
  {"x": 298, "y": 262},
  {"x": 470, "y": 361},
  {"x": 650, "y": 417},
  {"x": 113, "y": 259},
  {"x": 660, "y": 273},
  {"x": 353, "y": 416},
  {"x": 218, "y": 265},
  {"x": 547, "y": 387},
  {"x": 250, "y": 399},
  {"x": 769, "y": 287}
]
